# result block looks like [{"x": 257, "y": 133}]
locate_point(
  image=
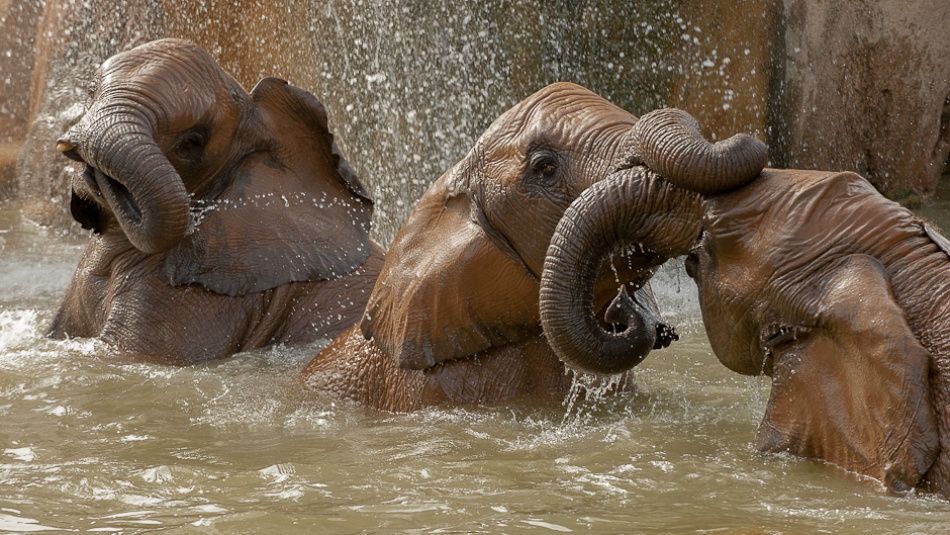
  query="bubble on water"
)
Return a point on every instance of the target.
[{"x": 26, "y": 454}]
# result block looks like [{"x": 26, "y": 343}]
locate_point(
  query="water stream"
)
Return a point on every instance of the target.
[{"x": 92, "y": 443}]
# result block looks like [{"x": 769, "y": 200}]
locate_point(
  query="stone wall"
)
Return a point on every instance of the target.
[
  {"x": 19, "y": 21},
  {"x": 867, "y": 88},
  {"x": 409, "y": 85}
]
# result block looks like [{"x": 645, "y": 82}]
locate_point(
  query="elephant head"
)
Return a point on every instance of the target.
[
  {"x": 462, "y": 273},
  {"x": 652, "y": 205},
  {"x": 241, "y": 192},
  {"x": 809, "y": 277}
]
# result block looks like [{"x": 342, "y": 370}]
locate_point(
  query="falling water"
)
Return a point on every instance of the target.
[
  {"x": 408, "y": 85},
  {"x": 587, "y": 391}
]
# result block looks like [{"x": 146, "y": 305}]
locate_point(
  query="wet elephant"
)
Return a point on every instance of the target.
[
  {"x": 222, "y": 221},
  {"x": 812, "y": 278},
  {"x": 453, "y": 317}
]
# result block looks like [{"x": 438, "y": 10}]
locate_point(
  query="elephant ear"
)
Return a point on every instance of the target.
[
  {"x": 938, "y": 238},
  {"x": 853, "y": 390},
  {"x": 448, "y": 289},
  {"x": 292, "y": 211}
]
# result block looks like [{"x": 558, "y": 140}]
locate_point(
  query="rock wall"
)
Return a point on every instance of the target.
[
  {"x": 867, "y": 88},
  {"x": 18, "y": 20},
  {"x": 408, "y": 87}
]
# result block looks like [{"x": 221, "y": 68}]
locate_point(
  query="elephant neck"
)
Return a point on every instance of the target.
[{"x": 924, "y": 298}]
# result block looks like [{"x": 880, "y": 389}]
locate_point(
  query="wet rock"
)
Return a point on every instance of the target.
[
  {"x": 408, "y": 86},
  {"x": 19, "y": 20},
  {"x": 867, "y": 89},
  {"x": 8, "y": 156}
]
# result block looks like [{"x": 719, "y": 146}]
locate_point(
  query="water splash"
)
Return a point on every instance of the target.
[
  {"x": 405, "y": 101},
  {"x": 589, "y": 392},
  {"x": 17, "y": 328}
]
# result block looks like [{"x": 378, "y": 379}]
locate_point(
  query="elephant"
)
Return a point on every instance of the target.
[
  {"x": 453, "y": 317},
  {"x": 221, "y": 221},
  {"x": 812, "y": 278}
]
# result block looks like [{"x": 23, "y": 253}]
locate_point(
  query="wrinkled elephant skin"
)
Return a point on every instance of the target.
[
  {"x": 453, "y": 317},
  {"x": 841, "y": 296},
  {"x": 222, "y": 221},
  {"x": 813, "y": 278}
]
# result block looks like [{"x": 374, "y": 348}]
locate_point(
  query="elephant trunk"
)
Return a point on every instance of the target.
[
  {"x": 633, "y": 208},
  {"x": 669, "y": 142},
  {"x": 138, "y": 183}
]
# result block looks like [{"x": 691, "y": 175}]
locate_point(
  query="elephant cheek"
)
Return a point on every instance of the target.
[
  {"x": 728, "y": 304},
  {"x": 447, "y": 291}
]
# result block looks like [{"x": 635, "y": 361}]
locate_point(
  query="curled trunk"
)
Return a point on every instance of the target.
[
  {"x": 632, "y": 209},
  {"x": 136, "y": 180},
  {"x": 669, "y": 142},
  {"x": 635, "y": 207}
]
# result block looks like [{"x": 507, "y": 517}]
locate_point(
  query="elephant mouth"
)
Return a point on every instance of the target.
[
  {"x": 641, "y": 263},
  {"x": 778, "y": 335},
  {"x": 627, "y": 310},
  {"x": 116, "y": 195}
]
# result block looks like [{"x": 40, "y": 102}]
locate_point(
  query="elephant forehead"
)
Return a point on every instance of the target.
[
  {"x": 789, "y": 223},
  {"x": 559, "y": 116},
  {"x": 164, "y": 67}
]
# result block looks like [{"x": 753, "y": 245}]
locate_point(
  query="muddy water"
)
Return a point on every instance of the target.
[{"x": 90, "y": 443}]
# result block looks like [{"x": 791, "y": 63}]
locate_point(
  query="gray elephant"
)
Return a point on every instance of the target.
[
  {"x": 222, "y": 221},
  {"x": 812, "y": 278}
]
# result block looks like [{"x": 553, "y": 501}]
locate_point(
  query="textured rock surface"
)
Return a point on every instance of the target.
[
  {"x": 867, "y": 88},
  {"x": 833, "y": 85}
]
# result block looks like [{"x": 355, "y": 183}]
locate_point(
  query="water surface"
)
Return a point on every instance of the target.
[{"x": 92, "y": 443}]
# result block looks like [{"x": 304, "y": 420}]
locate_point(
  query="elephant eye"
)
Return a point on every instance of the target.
[
  {"x": 544, "y": 165},
  {"x": 547, "y": 169},
  {"x": 191, "y": 144},
  {"x": 692, "y": 265},
  {"x": 92, "y": 89}
]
